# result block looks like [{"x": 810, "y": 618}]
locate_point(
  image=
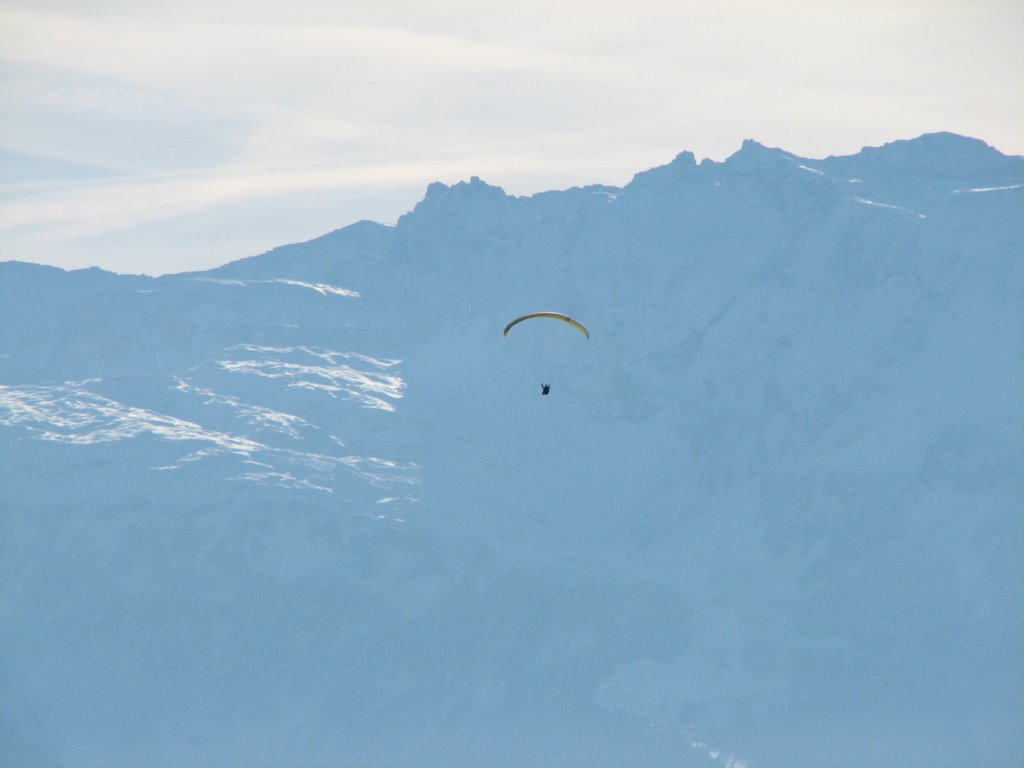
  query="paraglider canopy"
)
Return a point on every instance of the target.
[{"x": 553, "y": 316}]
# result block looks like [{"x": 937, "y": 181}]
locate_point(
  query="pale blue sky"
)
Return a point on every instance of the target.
[{"x": 166, "y": 136}]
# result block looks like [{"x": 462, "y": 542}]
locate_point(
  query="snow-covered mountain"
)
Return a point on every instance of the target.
[{"x": 310, "y": 508}]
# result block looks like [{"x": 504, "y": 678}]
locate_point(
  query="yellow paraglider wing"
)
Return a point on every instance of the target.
[{"x": 553, "y": 316}]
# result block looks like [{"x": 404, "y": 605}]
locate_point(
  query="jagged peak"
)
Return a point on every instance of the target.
[
  {"x": 461, "y": 196},
  {"x": 944, "y": 142},
  {"x": 941, "y": 151},
  {"x": 474, "y": 187},
  {"x": 753, "y": 152},
  {"x": 682, "y": 165},
  {"x": 364, "y": 225}
]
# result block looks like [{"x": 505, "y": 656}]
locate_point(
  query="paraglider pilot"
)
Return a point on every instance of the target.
[{"x": 545, "y": 388}]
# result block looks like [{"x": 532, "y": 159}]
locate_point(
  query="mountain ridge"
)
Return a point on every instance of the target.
[
  {"x": 311, "y": 508},
  {"x": 750, "y": 156}
]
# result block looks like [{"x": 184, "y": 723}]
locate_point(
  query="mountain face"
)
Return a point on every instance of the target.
[{"x": 311, "y": 509}]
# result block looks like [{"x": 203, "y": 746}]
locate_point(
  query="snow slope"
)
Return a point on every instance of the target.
[{"x": 310, "y": 508}]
